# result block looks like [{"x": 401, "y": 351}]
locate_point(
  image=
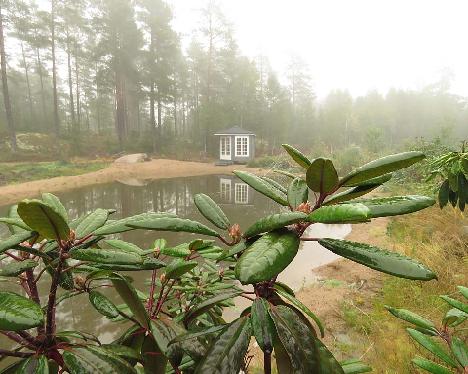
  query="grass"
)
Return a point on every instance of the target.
[
  {"x": 436, "y": 238},
  {"x": 11, "y": 173}
]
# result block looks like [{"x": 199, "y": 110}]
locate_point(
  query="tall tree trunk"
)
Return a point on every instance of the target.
[
  {"x": 77, "y": 84},
  {"x": 184, "y": 130},
  {"x": 6, "y": 94},
  {"x": 120, "y": 107},
  {"x": 175, "y": 115},
  {"x": 159, "y": 115},
  {"x": 28, "y": 84},
  {"x": 41, "y": 79},
  {"x": 98, "y": 104},
  {"x": 70, "y": 85},
  {"x": 153, "y": 117},
  {"x": 54, "y": 72}
]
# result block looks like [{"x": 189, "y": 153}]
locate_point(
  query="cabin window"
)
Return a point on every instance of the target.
[
  {"x": 241, "y": 193},
  {"x": 242, "y": 146},
  {"x": 225, "y": 146}
]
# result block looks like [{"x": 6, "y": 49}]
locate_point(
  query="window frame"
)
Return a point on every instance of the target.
[{"x": 247, "y": 146}]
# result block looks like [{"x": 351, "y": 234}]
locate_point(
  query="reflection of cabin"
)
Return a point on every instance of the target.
[
  {"x": 236, "y": 145},
  {"x": 233, "y": 191}
]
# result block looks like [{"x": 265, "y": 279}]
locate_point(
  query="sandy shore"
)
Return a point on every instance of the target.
[{"x": 154, "y": 169}]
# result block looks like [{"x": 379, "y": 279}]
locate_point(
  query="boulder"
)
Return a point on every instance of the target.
[{"x": 133, "y": 158}]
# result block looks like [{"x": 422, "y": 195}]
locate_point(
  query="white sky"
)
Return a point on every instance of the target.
[{"x": 357, "y": 45}]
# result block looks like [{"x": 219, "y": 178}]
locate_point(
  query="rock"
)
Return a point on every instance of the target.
[{"x": 133, "y": 158}]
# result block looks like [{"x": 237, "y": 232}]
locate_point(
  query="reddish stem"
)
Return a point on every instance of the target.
[{"x": 4, "y": 352}]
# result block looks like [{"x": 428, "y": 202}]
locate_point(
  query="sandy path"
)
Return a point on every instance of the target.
[{"x": 154, "y": 169}]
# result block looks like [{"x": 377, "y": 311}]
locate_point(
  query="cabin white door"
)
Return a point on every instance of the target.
[{"x": 225, "y": 148}]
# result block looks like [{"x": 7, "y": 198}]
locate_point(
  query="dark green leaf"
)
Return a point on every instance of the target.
[
  {"x": 14, "y": 269},
  {"x": 43, "y": 219},
  {"x": 103, "y": 305},
  {"x": 342, "y": 213},
  {"x": 18, "y": 313},
  {"x": 444, "y": 191},
  {"x": 267, "y": 257},
  {"x": 106, "y": 256},
  {"x": 17, "y": 223},
  {"x": 462, "y": 191},
  {"x": 301, "y": 307},
  {"x": 321, "y": 175},
  {"x": 15, "y": 240},
  {"x": 454, "y": 317},
  {"x": 121, "y": 350},
  {"x": 385, "y": 261},
  {"x": 460, "y": 351},
  {"x": 230, "y": 252},
  {"x": 273, "y": 222},
  {"x": 298, "y": 192},
  {"x": 430, "y": 366},
  {"x": 92, "y": 222},
  {"x": 381, "y": 166},
  {"x": 182, "y": 250},
  {"x": 120, "y": 225},
  {"x": 35, "y": 365},
  {"x": 173, "y": 224},
  {"x": 15, "y": 228},
  {"x": 396, "y": 205},
  {"x": 297, "y": 156},
  {"x": 54, "y": 202},
  {"x": 179, "y": 267},
  {"x": 211, "y": 211},
  {"x": 262, "y": 325},
  {"x": 456, "y": 304},
  {"x": 285, "y": 173},
  {"x": 284, "y": 287},
  {"x": 226, "y": 353},
  {"x": 192, "y": 335},
  {"x": 355, "y": 367},
  {"x": 432, "y": 346},
  {"x": 275, "y": 184},
  {"x": 263, "y": 187},
  {"x": 154, "y": 362},
  {"x": 207, "y": 304},
  {"x": 124, "y": 246},
  {"x": 411, "y": 317}
]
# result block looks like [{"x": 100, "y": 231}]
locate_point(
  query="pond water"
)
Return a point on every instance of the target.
[{"x": 241, "y": 204}]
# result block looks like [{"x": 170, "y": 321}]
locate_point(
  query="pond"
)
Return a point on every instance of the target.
[{"x": 241, "y": 204}]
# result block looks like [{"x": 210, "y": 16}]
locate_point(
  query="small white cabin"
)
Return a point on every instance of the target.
[{"x": 236, "y": 145}]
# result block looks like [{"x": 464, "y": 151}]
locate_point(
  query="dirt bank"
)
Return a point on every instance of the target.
[{"x": 154, "y": 169}]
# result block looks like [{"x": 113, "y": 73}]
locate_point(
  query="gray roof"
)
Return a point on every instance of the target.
[{"x": 236, "y": 130}]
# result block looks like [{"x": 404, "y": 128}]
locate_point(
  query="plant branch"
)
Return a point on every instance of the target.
[
  {"x": 18, "y": 339},
  {"x": 4, "y": 352},
  {"x": 16, "y": 258},
  {"x": 267, "y": 363},
  {"x": 309, "y": 239}
]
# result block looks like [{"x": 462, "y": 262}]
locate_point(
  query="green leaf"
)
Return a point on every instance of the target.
[
  {"x": 16, "y": 222},
  {"x": 381, "y": 166},
  {"x": 226, "y": 353},
  {"x": 203, "y": 332},
  {"x": 301, "y": 307},
  {"x": 211, "y": 211},
  {"x": 411, "y": 317},
  {"x": 432, "y": 346},
  {"x": 181, "y": 250},
  {"x": 179, "y": 267},
  {"x": 129, "y": 295},
  {"x": 92, "y": 360},
  {"x": 14, "y": 240},
  {"x": 14, "y": 269},
  {"x": 160, "y": 244},
  {"x": 343, "y": 213},
  {"x": 305, "y": 352},
  {"x": 262, "y": 325},
  {"x": 124, "y": 246},
  {"x": 430, "y": 366},
  {"x": 263, "y": 187},
  {"x": 154, "y": 362},
  {"x": 18, "y": 313},
  {"x": 454, "y": 317},
  {"x": 106, "y": 256},
  {"x": 285, "y": 173},
  {"x": 207, "y": 304},
  {"x": 463, "y": 291},
  {"x": 455, "y": 303},
  {"x": 120, "y": 225},
  {"x": 321, "y": 175},
  {"x": 103, "y": 305},
  {"x": 297, "y": 156},
  {"x": 92, "y": 222},
  {"x": 460, "y": 351},
  {"x": 298, "y": 192},
  {"x": 396, "y": 205},
  {"x": 232, "y": 251},
  {"x": 273, "y": 222},
  {"x": 54, "y": 202},
  {"x": 173, "y": 224},
  {"x": 385, "y": 261},
  {"x": 275, "y": 184},
  {"x": 121, "y": 350},
  {"x": 35, "y": 364},
  {"x": 43, "y": 219},
  {"x": 462, "y": 191},
  {"x": 267, "y": 257},
  {"x": 355, "y": 367}
]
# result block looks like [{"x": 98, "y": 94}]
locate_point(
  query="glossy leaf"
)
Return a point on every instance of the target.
[
  {"x": 455, "y": 303},
  {"x": 205, "y": 305},
  {"x": 432, "y": 346},
  {"x": 464, "y": 291},
  {"x": 129, "y": 295},
  {"x": 342, "y": 213},
  {"x": 262, "y": 325},
  {"x": 285, "y": 173},
  {"x": 93, "y": 359},
  {"x": 385, "y": 261},
  {"x": 460, "y": 351},
  {"x": 34, "y": 364},
  {"x": 15, "y": 268},
  {"x": 396, "y": 205},
  {"x": 232, "y": 251},
  {"x": 103, "y": 305},
  {"x": 454, "y": 317},
  {"x": 92, "y": 222},
  {"x": 297, "y": 156},
  {"x": 121, "y": 224},
  {"x": 15, "y": 240},
  {"x": 263, "y": 187},
  {"x": 124, "y": 246},
  {"x": 43, "y": 219},
  {"x": 211, "y": 211},
  {"x": 154, "y": 362},
  {"x": 18, "y": 313},
  {"x": 106, "y": 256},
  {"x": 173, "y": 224},
  {"x": 54, "y": 202},
  {"x": 381, "y": 166},
  {"x": 179, "y": 267},
  {"x": 273, "y": 222},
  {"x": 121, "y": 350},
  {"x": 304, "y": 309},
  {"x": 267, "y": 257},
  {"x": 203, "y": 332},
  {"x": 355, "y": 367},
  {"x": 227, "y": 352},
  {"x": 181, "y": 250},
  {"x": 411, "y": 317},
  {"x": 430, "y": 366},
  {"x": 298, "y": 192},
  {"x": 275, "y": 184},
  {"x": 321, "y": 175}
]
